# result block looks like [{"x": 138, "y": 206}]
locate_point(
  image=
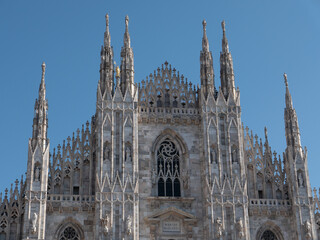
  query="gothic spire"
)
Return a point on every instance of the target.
[
  {"x": 289, "y": 104},
  {"x": 40, "y": 121},
  {"x": 206, "y": 64},
  {"x": 127, "y": 64},
  {"x": 291, "y": 121},
  {"x": 226, "y": 66},
  {"x": 106, "y": 65}
]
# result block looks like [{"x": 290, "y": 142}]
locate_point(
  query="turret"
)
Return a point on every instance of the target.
[
  {"x": 206, "y": 64},
  {"x": 127, "y": 65},
  {"x": 226, "y": 67},
  {"x": 106, "y": 65}
]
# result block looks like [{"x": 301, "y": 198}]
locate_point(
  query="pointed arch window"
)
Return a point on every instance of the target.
[
  {"x": 268, "y": 235},
  {"x": 168, "y": 169},
  {"x": 69, "y": 233}
]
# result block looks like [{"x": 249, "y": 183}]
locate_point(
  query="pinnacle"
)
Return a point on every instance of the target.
[
  {"x": 225, "y": 46},
  {"x": 205, "y": 42},
  {"x": 126, "y": 39},
  {"x": 107, "y": 40}
]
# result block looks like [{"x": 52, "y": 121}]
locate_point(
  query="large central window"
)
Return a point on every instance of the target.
[
  {"x": 69, "y": 233},
  {"x": 168, "y": 169},
  {"x": 268, "y": 235}
]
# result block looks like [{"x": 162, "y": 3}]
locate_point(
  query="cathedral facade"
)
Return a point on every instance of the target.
[{"x": 162, "y": 160}]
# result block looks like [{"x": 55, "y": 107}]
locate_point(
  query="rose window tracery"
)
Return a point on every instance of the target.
[
  {"x": 168, "y": 169},
  {"x": 69, "y": 233}
]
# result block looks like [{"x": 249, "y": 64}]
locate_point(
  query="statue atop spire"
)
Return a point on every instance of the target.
[
  {"x": 43, "y": 66},
  {"x": 285, "y": 79}
]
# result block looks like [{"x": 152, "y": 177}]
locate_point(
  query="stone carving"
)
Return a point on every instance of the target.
[
  {"x": 219, "y": 227},
  {"x": 129, "y": 225},
  {"x": 307, "y": 228},
  {"x": 37, "y": 174},
  {"x": 240, "y": 228},
  {"x": 34, "y": 223},
  {"x": 106, "y": 153},
  {"x": 213, "y": 155},
  {"x": 234, "y": 155},
  {"x": 185, "y": 178},
  {"x": 300, "y": 179},
  {"x": 128, "y": 154},
  {"x": 154, "y": 176},
  {"x": 106, "y": 224}
]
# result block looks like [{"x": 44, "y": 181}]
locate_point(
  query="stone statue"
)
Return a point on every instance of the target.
[
  {"x": 106, "y": 223},
  {"x": 240, "y": 228},
  {"x": 300, "y": 180},
  {"x": 307, "y": 228},
  {"x": 213, "y": 156},
  {"x": 106, "y": 153},
  {"x": 128, "y": 154},
  {"x": 34, "y": 223},
  {"x": 234, "y": 155},
  {"x": 185, "y": 178},
  {"x": 154, "y": 176},
  {"x": 129, "y": 225},
  {"x": 37, "y": 174},
  {"x": 219, "y": 227}
]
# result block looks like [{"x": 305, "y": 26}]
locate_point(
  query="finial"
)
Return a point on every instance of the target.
[
  {"x": 107, "y": 20},
  {"x": 223, "y": 25},
  {"x": 204, "y": 24},
  {"x": 285, "y": 79}
]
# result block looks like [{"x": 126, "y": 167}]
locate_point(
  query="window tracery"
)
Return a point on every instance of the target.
[
  {"x": 69, "y": 233},
  {"x": 168, "y": 169},
  {"x": 268, "y": 235}
]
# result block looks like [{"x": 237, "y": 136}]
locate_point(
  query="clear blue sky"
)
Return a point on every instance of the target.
[{"x": 266, "y": 38}]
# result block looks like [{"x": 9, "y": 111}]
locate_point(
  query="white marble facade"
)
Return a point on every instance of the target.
[{"x": 162, "y": 160}]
